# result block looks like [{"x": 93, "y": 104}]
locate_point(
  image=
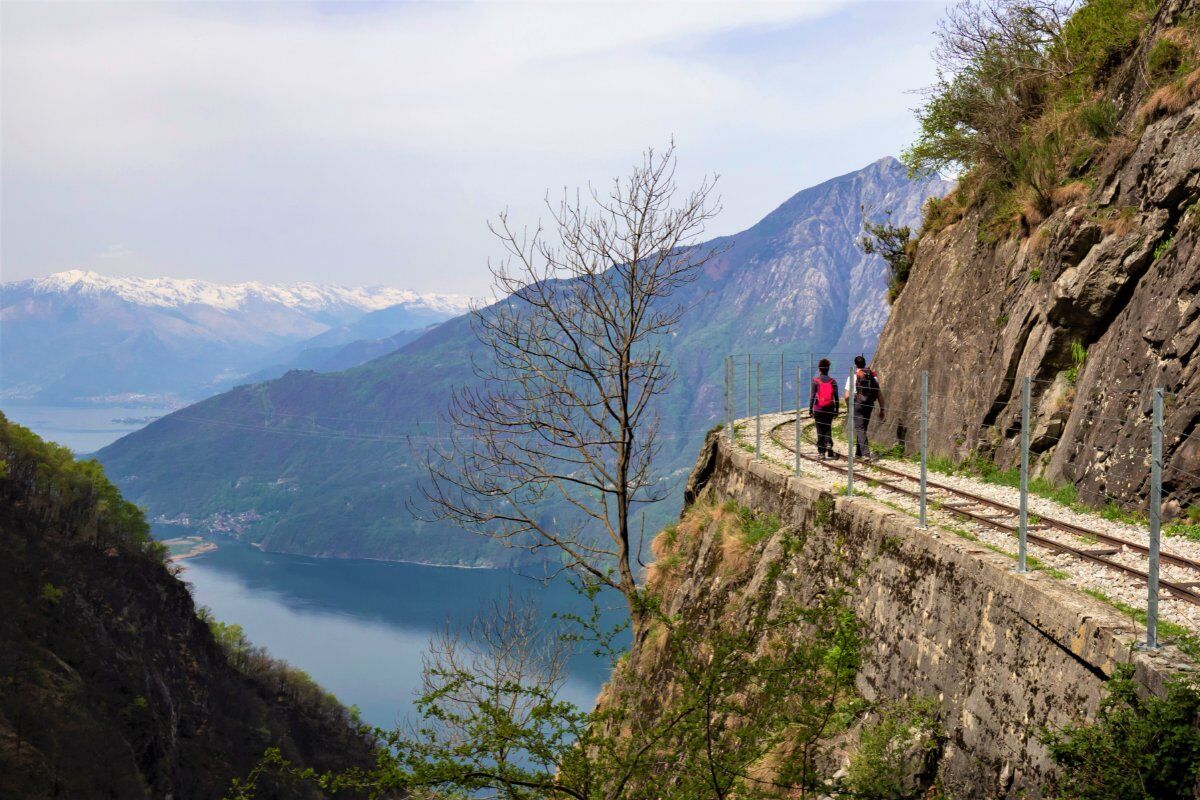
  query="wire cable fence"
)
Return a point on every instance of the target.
[{"x": 784, "y": 379}]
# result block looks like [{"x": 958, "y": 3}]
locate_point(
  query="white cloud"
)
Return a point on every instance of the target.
[
  {"x": 369, "y": 143},
  {"x": 108, "y": 86}
]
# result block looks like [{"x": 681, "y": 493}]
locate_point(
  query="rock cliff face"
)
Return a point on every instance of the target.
[
  {"x": 110, "y": 684},
  {"x": 1114, "y": 274}
]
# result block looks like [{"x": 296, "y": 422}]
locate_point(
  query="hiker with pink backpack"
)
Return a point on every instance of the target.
[{"x": 823, "y": 407}]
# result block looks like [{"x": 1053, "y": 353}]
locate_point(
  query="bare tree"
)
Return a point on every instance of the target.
[{"x": 554, "y": 447}]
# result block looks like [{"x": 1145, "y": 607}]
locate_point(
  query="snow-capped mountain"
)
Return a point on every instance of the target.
[
  {"x": 177, "y": 292},
  {"x": 80, "y": 336}
]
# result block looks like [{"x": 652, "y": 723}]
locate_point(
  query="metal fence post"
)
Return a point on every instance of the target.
[
  {"x": 747, "y": 385},
  {"x": 1023, "y": 525},
  {"x": 1155, "y": 521},
  {"x": 729, "y": 398},
  {"x": 758, "y": 410},
  {"x": 924, "y": 438},
  {"x": 850, "y": 437},
  {"x": 798, "y": 369},
  {"x": 781, "y": 383},
  {"x": 810, "y": 363}
]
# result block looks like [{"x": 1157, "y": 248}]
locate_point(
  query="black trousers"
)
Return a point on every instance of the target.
[
  {"x": 824, "y": 430},
  {"x": 862, "y": 418}
]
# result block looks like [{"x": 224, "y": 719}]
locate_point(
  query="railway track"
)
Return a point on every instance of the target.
[{"x": 992, "y": 513}]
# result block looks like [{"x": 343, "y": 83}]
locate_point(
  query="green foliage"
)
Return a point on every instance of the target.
[
  {"x": 1035, "y": 275},
  {"x": 51, "y": 594},
  {"x": 1162, "y": 247},
  {"x": 1016, "y": 105},
  {"x": 1078, "y": 354},
  {"x": 1097, "y": 34},
  {"x": 1100, "y": 118},
  {"x": 288, "y": 681},
  {"x": 895, "y": 244},
  {"x": 896, "y": 750},
  {"x": 1187, "y": 527},
  {"x": 1138, "y": 747},
  {"x": 1164, "y": 59},
  {"x": 74, "y": 491},
  {"x": 823, "y": 510},
  {"x": 752, "y": 526}
]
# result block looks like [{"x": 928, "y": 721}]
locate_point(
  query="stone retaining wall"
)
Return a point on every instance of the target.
[{"x": 1006, "y": 654}]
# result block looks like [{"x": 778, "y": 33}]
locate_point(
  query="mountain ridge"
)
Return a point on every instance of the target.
[
  {"x": 327, "y": 462},
  {"x": 77, "y": 336},
  {"x": 174, "y": 292}
]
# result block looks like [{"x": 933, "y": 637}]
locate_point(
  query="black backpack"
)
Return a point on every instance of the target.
[{"x": 866, "y": 387}]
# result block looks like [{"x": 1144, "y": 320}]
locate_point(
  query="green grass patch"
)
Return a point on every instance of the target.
[
  {"x": 1186, "y": 640},
  {"x": 756, "y": 527}
]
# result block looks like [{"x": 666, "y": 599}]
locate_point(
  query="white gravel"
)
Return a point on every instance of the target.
[{"x": 1071, "y": 570}]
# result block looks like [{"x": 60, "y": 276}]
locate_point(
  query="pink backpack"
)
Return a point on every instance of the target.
[{"x": 826, "y": 393}]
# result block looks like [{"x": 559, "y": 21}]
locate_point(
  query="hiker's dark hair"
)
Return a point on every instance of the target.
[
  {"x": 823, "y": 366},
  {"x": 860, "y": 362}
]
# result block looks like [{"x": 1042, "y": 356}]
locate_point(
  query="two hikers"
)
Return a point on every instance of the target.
[{"x": 862, "y": 390}]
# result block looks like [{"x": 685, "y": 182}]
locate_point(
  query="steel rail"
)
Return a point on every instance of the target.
[{"x": 1179, "y": 590}]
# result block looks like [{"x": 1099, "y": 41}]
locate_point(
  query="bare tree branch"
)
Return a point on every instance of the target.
[{"x": 564, "y": 414}]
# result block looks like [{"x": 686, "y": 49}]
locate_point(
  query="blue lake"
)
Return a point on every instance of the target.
[
  {"x": 360, "y": 627},
  {"x": 84, "y": 429}
]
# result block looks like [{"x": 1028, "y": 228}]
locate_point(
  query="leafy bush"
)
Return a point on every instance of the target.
[
  {"x": 1162, "y": 247},
  {"x": 1078, "y": 355},
  {"x": 895, "y": 244},
  {"x": 75, "y": 491},
  {"x": 895, "y": 755},
  {"x": 1137, "y": 747},
  {"x": 1165, "y": 57},
  {"x": 1018, "y": 104},
  {"x": 1100, "y": 118}
]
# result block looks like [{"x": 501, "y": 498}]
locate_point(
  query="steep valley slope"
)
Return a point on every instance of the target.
[
  {"x": 111, "y": 685},
  {"x": 326, "y": 464}
]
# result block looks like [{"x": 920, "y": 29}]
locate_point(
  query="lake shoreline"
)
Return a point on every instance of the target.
[{"x": 190, "y": 547}]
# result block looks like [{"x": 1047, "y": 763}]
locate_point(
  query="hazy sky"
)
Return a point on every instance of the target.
[{"x": 364, "y": 143}]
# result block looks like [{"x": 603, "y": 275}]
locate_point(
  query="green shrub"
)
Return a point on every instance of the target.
[
  {"x": 1014, "y": 107},
  {"x": 895, "y": 755},
  {"x": 1100, "y": 119},
  {"x": 895, "y": 245},
  {"x": 1035, "y": 275},
  {"x": 1137, "y": 747},
  {"x": 1078, "y": 355},
  {"x": 1164, "y": 59},
  {"x": 74, "y": 489},
  {"x": 1162, "y": 247},
  {"x": 756, "y": 527}
]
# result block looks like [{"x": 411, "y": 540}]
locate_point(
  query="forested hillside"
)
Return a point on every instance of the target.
[
  {"x": 111, "y": 685},
  {"x": 326, "y": 464}
]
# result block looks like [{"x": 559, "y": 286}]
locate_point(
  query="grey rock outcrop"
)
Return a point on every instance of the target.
[{"x": 1116, "y": 274}]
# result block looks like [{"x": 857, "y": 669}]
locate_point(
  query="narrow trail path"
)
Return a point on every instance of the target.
[{"x": 1105, "y": 540}]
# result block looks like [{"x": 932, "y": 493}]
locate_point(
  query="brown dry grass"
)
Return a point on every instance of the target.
[
  {"x": 1039, "y": 242},
  {"x": 1119, "y": 221},
  {"x": 1070, "y": 194},
  {"x": 1171, "y": 99},
  {"x": 735, "y": 553},
  {"x": 1029, "y": 207}
]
